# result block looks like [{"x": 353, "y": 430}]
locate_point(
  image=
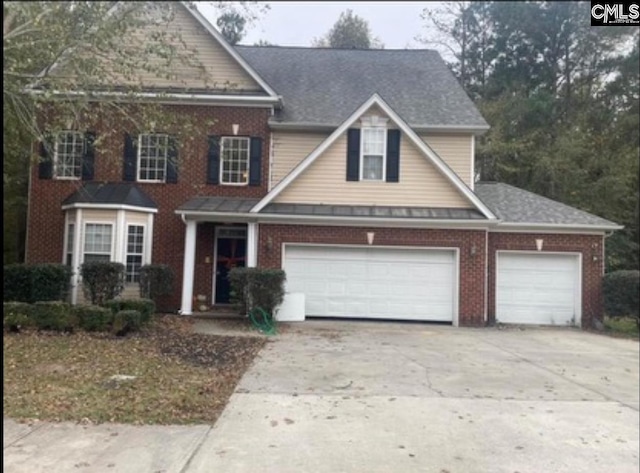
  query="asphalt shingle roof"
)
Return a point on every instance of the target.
[
  {"x": 514, "y": 205},
  {"x": 117, "y": 193},
  {"x": 324, "y": 86}
]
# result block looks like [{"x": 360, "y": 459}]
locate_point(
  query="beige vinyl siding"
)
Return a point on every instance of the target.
[
  {"x": 289, "y": 149},
  {"x": 421, "y": 184},
  {"x": 455, "y": 150},
  {"x": 107, "y": 216},
  {"x": 208, "y": 65}
]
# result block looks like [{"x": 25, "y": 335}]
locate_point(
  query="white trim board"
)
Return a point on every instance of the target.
[{"x": 429, "y": 154}]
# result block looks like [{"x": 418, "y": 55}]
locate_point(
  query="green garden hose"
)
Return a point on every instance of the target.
[{"x": 262, "y": 321}]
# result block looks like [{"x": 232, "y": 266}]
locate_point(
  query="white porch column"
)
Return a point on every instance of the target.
[
  {"x": 76, "y": 257},
  {"x": 188, "y": 268},
  {"x": 252, "y": 245}
]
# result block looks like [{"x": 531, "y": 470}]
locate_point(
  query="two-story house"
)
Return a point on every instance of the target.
[{"x": 352, "y": 170}]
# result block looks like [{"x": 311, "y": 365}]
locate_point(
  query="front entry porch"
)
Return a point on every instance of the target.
[{"x": 211, "y": 250}]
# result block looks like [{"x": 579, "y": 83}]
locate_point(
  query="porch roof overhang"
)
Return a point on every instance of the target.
[{"x": 205, "y": 208}]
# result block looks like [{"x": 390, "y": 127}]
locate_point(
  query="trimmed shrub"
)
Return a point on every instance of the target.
[
  {"x": 16, "y": 316},
  {"x": 17, "y": 283},
  {"x": 257, "y": 287},
  {"x": 102, "y": 281},
  {"x": 36, "y": 282},
  {"x": 93, "y": 318},
  {"x": 155, "y": 280},
  {"x": 54, "y": 315},
  {"x": 126, "y": 321},
  {"x": 146, "y": 307},
  {"x": 621, "y": 294}
]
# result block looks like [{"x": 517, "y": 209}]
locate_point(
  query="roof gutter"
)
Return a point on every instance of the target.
[
  {"x": 308, "y": 126},
  {"x": 134, "y": 208},
  {"x": 178, "y": 98},
  {"x": 554, "y": 227}
]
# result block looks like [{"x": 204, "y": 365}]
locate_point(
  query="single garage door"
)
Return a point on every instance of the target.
[
  {"x": 370, "y": 282},
  {"x": 538, "y": 288}
]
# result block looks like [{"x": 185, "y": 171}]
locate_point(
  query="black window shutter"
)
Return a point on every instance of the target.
[
  {"x": 213, "y": 160},
  {"x": 393, "y": 156},
  {"x": 255, "y": 161},
  {"x": 88, "y": 160},
  {"x": 45, "y": 167},
  {"x": 353, "y": 154},
  {"x": 172, "y": 161},
  {"x": 130, "y": 158}
]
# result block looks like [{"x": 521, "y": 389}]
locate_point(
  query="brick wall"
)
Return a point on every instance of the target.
[
  {"x": 46, "y": 219},
  {"x": 472, "y": 266},
  {"x": 589, "y": 245}
]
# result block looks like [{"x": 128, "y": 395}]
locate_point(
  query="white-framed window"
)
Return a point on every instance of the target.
[
  {"x": 153, "y": 151},
  {"x": 98, "y": 242},
  {"x": 68, "y": 152},
  {"x": 373, "y": 153},
  {"x": 71, "y": 231},
  {"x": 135, "y": 252},
  {"x": 234, "y": 161}
]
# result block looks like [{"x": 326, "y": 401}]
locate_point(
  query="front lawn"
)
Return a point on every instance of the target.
[
  {"x": 180, "y": 377},
  {"x": 621, "y": 326}
]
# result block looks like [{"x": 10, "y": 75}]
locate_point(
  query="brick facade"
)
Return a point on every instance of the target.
[
  {"x": 46, "y": 219},
  {"x": 472, "y": 261},
  {"x": 591, "y": 248}
]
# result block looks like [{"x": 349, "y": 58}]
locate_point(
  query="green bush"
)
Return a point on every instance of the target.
[
  {"x": 102, "y": 281},
  {"x": 146, "y": 307},
  {"x": 16, "y": 316},
  {"x": 36, "y": 282},
  {"x": 54, "y": 315},
  {"x": 126, "y": 321},
  {"x": 256, "y": 287},
  {"x": 156, "y": 280},
  {"x": 93, "y": 318},
  {"x": 621, "y": 294}
]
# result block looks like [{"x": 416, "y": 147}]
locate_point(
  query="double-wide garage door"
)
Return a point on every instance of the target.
[
  {"x": 538, "y": 288},
  {"x": 373, "y": 282}
]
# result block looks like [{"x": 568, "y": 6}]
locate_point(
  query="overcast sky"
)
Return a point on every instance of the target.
[{"x": 396, "y": 24}]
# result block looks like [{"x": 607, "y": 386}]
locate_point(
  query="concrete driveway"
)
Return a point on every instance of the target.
[
  {"x": 385, "y": 397},
  {"x": 329, "y": 396}
]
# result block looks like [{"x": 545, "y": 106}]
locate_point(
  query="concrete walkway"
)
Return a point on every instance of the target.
[{"x": 387, "y": 397}]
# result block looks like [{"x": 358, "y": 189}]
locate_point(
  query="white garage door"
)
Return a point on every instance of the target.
[
  {"x": 538, "y": 289},
  {"x": 370, "y": 282}
]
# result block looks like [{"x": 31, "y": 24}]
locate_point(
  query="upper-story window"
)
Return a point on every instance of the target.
[
  {"x": 373, "y": 153},
  {"x": 68, "y": 152},
  {"x": 373, "y": 148},
  {"x": 153, "y": 151},
  {"x": 234, "y": 166}
]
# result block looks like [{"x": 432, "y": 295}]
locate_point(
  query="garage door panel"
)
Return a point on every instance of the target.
[
  {"x": 373, "y": 282},
  {"x": 538, "y": 289}
]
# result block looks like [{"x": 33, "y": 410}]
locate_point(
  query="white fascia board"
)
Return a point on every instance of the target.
[
  {"x": 415, "y": 139},
  {"x": 132, "y": 208},
  {"x": 234, "y": 54},
  {"x": 177, "y": 98},
  {"x": 506, "y": 227}
]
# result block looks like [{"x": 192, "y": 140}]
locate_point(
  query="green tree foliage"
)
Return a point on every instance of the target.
[
  {"x": 65, "y": 52},
  {"x": 562, "y": 100},
  {"x": 349, "y": 32},
  {"x": 232, "y": 26}
]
